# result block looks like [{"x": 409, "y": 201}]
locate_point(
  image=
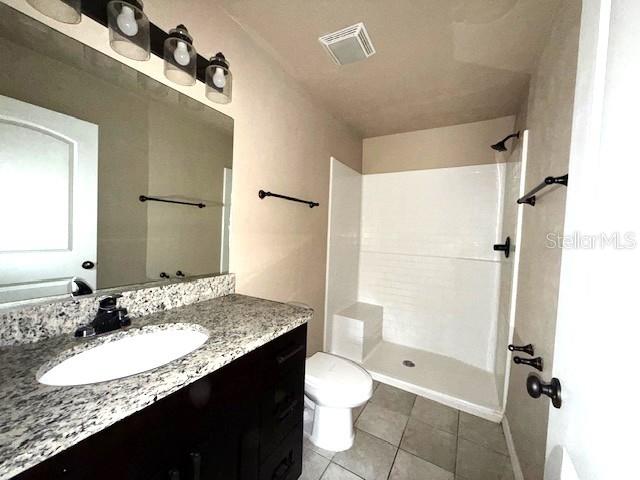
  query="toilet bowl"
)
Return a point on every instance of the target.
[{"x": 333, "y": 387}]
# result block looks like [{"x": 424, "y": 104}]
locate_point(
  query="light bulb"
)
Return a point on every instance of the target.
[
  {"x": 218, "y": 78},
  {"x": 181, "y": 54},
  {"x": 127, "y": 21}
]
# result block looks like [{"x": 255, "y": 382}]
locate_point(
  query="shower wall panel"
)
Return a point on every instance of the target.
[
  {"x": 427, "y": 257},
  {"x": 343, "y": 243}
]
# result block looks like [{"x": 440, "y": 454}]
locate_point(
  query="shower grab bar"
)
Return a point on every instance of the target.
[
  {"x": 262, "y": 194},
  {"x": 530, "y": 197}
]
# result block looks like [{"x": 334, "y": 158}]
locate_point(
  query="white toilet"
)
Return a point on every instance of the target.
[{"x": 333, "y": 386}]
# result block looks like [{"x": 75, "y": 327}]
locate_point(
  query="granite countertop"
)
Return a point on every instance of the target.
[{"x": 37, "y": 421}]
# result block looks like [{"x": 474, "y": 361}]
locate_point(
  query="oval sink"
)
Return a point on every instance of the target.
[{"x": 131, "y": 352}]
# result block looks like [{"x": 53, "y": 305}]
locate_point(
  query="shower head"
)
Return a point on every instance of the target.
[{"x": 500, "y": 146}]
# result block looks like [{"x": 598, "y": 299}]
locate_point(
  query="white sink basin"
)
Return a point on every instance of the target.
[{"x": 133, "y": 352}]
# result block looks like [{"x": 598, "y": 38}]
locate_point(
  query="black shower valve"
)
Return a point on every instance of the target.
[
  {"x": 528, "y": 349},
  {"x": 536, "y": 363},
  {"x": 503, "y": 247}
]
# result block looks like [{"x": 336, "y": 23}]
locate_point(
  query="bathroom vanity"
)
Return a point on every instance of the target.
[{"x": 230, "y": 410}]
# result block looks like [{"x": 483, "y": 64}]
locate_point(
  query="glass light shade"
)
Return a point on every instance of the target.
[
  {"x": 180, "y": 57},
  {"x": 219, "y": 80},
  {"x": 129, "y": 29},
  {"x": 66, "y": 11}
]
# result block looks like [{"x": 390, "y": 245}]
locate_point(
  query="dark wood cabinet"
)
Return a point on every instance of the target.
[{"x": 241, "y": 422}]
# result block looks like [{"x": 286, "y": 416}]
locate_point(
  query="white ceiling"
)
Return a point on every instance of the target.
[{"x": 438, "y": 62}]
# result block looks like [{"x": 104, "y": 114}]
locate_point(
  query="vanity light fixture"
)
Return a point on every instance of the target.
[
  {"x": 219, "y": 80},
  {"x": 66, "y": 11},
  {"x": 129, "y": 29},
  {"x": 180, "y": 56}
]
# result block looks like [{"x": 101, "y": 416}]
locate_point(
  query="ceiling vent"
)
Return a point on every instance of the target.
[{"x": 349, "y": 44}]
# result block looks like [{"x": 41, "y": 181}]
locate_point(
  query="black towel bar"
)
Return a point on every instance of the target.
[
  {"x": 144, "y": 198},
  {"x": 262, "y": 194},
  {"x": 530, "y": 197}
]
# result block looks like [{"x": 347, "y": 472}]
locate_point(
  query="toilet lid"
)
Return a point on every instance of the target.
[{"x": 329, "y": 372}]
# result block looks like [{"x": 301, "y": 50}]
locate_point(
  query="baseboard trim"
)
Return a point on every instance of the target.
[{"x": 515, "y": 463}]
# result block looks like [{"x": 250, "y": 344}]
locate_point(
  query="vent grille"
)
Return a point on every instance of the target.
[{"x": 348, "y": 45}]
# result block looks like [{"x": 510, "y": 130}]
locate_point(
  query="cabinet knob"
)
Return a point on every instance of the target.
[{"x": 553, "y": 389}]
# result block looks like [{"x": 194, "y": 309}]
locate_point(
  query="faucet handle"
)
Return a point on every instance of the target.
[
  {"x": 123, "y": 317},
  {"x": 85, "y": 331},
  {"x": 110, "y": 302}
]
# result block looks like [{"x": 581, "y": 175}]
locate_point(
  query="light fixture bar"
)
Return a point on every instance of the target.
[{"x": 97, "y": 10}]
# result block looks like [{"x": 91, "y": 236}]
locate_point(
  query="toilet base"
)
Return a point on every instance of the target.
[{"x": 332, "y": 428}]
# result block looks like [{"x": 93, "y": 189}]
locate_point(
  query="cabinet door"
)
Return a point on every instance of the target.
[
  {"x": 232, "y": 452},
  {"x": 221, "y": 440}
]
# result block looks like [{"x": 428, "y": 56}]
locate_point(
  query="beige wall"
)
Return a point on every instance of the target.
[
  {"x": 548, "y": 119},
  {"x": 283, "y": 143},
  {"x": 454, "y": 146}
]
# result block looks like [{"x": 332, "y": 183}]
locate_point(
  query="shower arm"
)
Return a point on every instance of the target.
[{"x": 517, "y": 135}]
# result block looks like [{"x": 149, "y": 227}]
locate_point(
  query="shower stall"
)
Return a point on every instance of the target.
[{"x": 416, "y": 292}]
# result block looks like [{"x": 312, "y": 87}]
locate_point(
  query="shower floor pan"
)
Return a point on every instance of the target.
[{"x": 436, "y": 377}]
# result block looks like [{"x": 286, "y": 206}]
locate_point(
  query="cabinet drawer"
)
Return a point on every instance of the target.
[
  {"x": 287, "y": 352},
  {"x": 285, "y": 463},
  {"x": 282, "y": 408}
]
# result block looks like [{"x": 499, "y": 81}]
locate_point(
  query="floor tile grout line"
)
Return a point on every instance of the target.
[
  {"x": 377, "y": 438},
  {"x": 435, "y": 427},
  {"x": 325, "y": 469},
  {"x": 484, "y": 446},
  {"x": 395, "y": 457},
  {"x": 375, "y": 435},
  {"x": 345, "y": 468},
  {"x": 427, "y": 461},
  {"x": 455, "y": 463}
]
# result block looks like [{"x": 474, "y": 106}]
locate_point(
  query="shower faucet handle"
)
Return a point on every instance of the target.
[
  {"x": 528, "y": 349},
  {"x": 532, "y": 362},
  {"x": 503, "y": 247}
]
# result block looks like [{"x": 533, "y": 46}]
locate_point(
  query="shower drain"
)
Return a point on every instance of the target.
[{"x": 408, "y": 363}]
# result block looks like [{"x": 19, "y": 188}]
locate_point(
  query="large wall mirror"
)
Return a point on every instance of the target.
[{"x": 92, "y": 156}]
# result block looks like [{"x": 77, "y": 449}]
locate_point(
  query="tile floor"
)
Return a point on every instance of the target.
[{"x": 403, "y": 437}]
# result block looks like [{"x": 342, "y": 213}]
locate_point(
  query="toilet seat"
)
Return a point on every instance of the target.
[{"x": 336, "y": 382}]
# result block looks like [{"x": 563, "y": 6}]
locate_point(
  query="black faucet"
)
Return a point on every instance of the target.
[{"x": 108, "y": 318}]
